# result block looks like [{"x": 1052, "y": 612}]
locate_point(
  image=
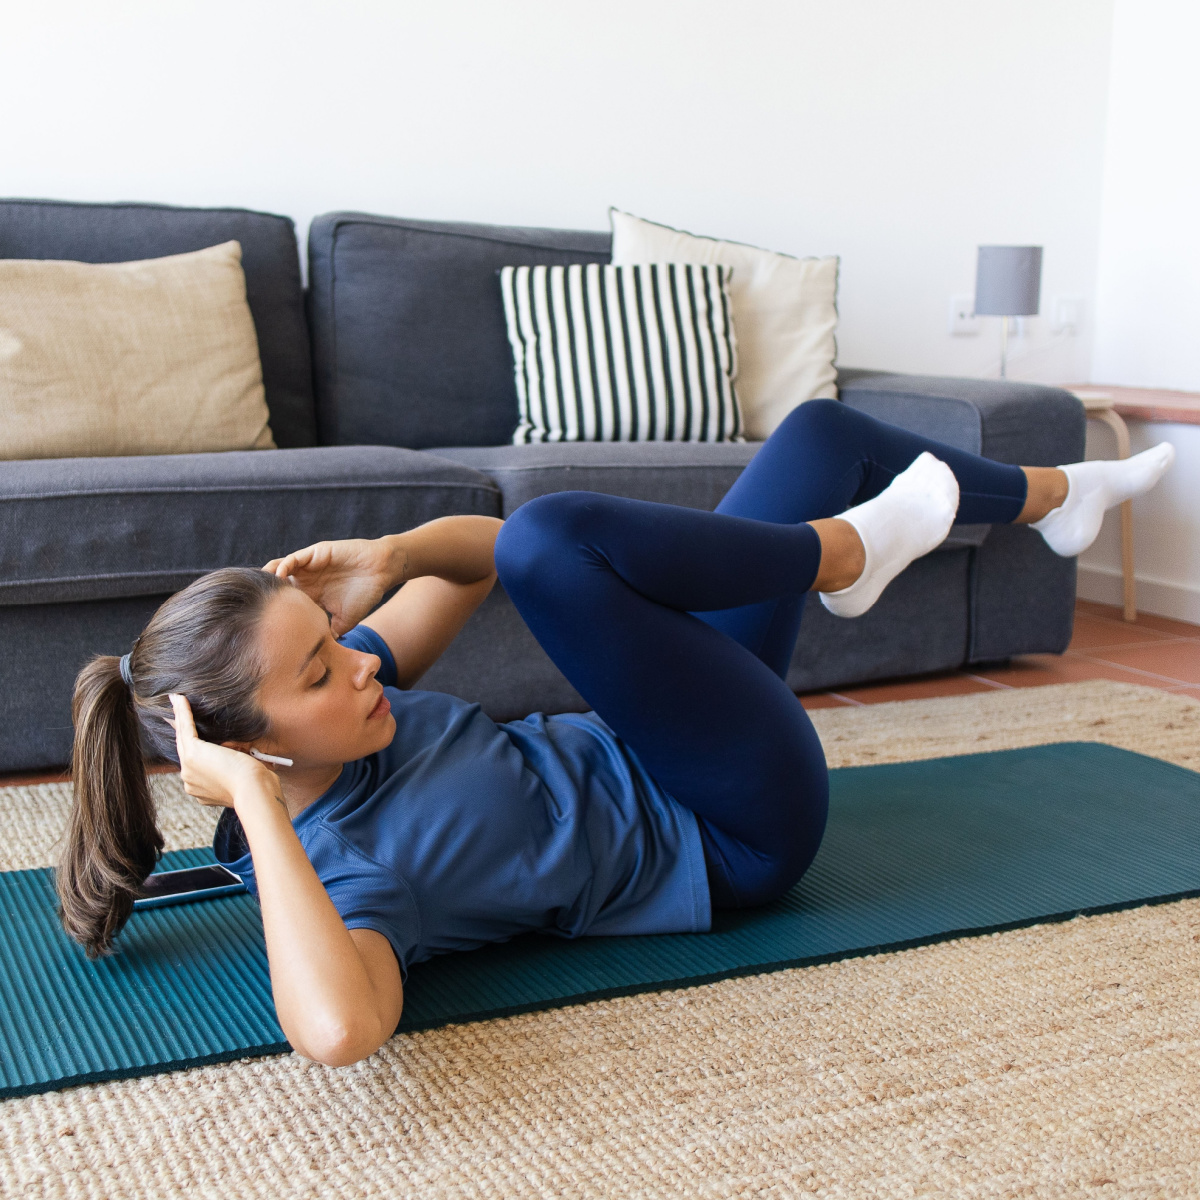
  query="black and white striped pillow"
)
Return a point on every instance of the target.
[{"x": 622, "y": 354}]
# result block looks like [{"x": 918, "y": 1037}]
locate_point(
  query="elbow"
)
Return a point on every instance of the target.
[{"x": 338, "y": 1043}]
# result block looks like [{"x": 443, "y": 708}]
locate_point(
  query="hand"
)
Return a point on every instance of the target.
[
  {"x": 215, "y": 775},
  {"x": 347, "y": 578}
]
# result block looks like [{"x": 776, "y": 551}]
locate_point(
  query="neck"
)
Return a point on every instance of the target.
[{"x": 303, "y": 785}]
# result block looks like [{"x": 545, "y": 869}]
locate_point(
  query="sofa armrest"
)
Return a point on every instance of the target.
[{"x": 1028, "y": 424}]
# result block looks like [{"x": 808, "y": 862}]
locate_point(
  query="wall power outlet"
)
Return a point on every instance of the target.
[
  {"x": 963, "y": 321},
  {"x": 1067, "y": 315}
]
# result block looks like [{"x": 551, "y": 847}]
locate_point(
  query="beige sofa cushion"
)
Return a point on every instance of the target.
[
  {"x": 151, "y": 357},
  {"x": 784, "y": 313}
]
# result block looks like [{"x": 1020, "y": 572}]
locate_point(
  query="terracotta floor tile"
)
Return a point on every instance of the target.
[
  {"x": 1100, "y": 610},
  {"x": 1144, "y": 620},
  {"x": 63, "y": 775},
  {"x": 954, "y": 684},
  {"x": 25, "y": 778},
  {"x": 1175, "y": 628},
  {"x": 1092, "y": 632},
  {"x": 822, "y": 700},
  {"x": 1176, "y": 660},
  {"x": 1036, "y": 670}
]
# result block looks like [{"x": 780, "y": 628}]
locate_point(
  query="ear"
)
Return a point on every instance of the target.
[{"x": 244, "y": 747}]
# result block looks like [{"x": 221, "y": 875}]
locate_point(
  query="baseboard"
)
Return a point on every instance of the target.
[{"x": 1158, "y": 596}]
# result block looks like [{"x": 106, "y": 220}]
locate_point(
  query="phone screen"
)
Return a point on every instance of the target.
[{"x": 192, "y": 883}]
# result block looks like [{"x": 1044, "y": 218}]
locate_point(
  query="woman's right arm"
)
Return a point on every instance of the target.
[
  {"x": 335, "y": 1003},
  {"x": 338, "y": 992}
]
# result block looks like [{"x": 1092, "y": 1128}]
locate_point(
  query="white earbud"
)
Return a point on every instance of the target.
[{"x": 271, "y": 758}]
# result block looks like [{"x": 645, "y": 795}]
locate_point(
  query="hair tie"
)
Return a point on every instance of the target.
[{"x": 126, "y": 673}]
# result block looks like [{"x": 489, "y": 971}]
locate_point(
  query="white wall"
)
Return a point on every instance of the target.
[
  {"x": 1148, "y": 284},
  {"x": 1166, "y": 528},
  {"x": 899, "y": 135},
  {"x": 1148, "y": 291}
]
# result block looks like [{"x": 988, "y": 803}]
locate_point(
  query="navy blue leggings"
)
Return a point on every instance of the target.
[{"x": 677, "y": 625}]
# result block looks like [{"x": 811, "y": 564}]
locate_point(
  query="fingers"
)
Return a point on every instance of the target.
[
  {"x": 296, "y": 561},
  {"x": 185, "y": 724},
  {"x": 280, "y": 566},
  {"x": 197, "y": 779},
  {"x": 185, "y": 734}
]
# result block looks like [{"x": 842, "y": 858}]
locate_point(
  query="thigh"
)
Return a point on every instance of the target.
[{"x": 715, "y": 726}]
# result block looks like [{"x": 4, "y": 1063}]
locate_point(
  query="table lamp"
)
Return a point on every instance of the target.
[{"x": 1008, "y": 283}]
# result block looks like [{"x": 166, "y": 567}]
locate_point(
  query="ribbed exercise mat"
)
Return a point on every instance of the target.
[{"x": 914, "y": 852}]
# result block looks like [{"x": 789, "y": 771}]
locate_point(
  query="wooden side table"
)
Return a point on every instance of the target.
[{"x": 1101, "y": 407}]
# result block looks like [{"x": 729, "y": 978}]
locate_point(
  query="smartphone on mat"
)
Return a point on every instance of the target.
[{"x": 192, "y": 883}]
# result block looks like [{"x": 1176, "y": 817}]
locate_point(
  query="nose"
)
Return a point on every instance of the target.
[{"x": 368, "y": 667}]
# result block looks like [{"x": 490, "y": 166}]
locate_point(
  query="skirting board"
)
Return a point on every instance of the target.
[{"x": 1158, "y": 596}]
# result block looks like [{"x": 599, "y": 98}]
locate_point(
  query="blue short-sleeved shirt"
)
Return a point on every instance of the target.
[{"x": 464, "y": 831}]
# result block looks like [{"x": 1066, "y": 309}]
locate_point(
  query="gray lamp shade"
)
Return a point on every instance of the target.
[{"x": 1008, "y": 281}]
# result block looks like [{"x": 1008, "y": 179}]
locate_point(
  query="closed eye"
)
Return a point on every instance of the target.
[{"x": 324, "y": 679}]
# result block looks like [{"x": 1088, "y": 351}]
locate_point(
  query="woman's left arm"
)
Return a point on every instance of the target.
[{"x": 447, "y": 567}]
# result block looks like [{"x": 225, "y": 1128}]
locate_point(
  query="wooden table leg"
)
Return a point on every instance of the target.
[{"x": 1115, "y": 422}]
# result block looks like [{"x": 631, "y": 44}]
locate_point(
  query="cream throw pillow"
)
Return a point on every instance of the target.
[
  {"x": 151, "y": 357},
  {"x": 784, "y": 313}
]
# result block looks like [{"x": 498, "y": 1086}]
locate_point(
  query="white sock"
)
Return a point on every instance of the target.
[
  {"x": 908, "y": 518},
  {"x": 1093, "y": 487}
]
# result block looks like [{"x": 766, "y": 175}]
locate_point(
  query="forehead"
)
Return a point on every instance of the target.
[{"x": 292, "y": 625}]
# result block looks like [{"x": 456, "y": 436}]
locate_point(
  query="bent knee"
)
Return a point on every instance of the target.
[
  {"x": 536, "y": 539},
  {"x": 818, "y": 418}
]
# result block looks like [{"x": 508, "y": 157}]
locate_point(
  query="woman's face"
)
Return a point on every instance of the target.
[{"x": 322, "y": 699}]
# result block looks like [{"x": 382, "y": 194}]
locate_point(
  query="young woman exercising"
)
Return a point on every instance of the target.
[{"x": 411, "y": 824}]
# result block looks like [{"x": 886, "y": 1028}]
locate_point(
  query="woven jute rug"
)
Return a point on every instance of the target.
[{"x": 1059, "y": 1060}]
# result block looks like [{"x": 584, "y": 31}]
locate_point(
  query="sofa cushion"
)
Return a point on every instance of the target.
[
  {"x": 156, "y": 356},
  {"x": 409, "y": 341},
  {"x": 106, "y": 233},
  {"x": 93, "y": 528},
  {"x": 693, "y": 474},
  {"x": 784, "y": 311}
]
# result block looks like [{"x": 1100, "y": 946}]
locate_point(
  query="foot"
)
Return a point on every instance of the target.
[
  {"x": 1094, "y": 487},
  {"x": 907, "y": 519}
]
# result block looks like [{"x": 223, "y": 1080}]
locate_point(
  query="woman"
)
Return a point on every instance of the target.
[{"x": 410, "y": 824}]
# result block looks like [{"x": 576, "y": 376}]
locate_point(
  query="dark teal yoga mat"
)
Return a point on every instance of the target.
[{"x": 914, "y": 853}]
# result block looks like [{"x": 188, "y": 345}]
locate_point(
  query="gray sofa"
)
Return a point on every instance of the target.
[{"x": 391, "y": 397}]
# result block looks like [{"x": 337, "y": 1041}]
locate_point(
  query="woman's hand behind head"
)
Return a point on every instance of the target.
[{"x": 215, "y": 775}]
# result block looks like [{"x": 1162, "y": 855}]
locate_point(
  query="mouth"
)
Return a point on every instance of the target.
[{"x": 381, "y": 709}]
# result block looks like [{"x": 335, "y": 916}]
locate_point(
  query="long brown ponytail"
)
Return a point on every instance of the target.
[{"x": 202, "y": 644}]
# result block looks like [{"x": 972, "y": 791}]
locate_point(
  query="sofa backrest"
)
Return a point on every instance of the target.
[
  {"x": 125, "y": 232},
  {"x": 409, "y": 340}
]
